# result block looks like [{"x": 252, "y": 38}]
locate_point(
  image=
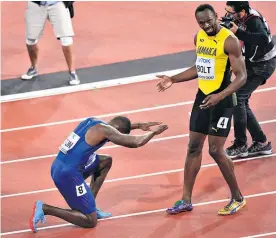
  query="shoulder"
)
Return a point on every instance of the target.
[
  {"x": 232, "y": 45},
  {"x": 97, "y": 129},
  {"x": 104, "y": 129}
]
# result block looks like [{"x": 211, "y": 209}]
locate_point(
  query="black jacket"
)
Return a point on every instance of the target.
[
  {"x": 68, "y": 4},
  {"x": 256, "y": 36}
]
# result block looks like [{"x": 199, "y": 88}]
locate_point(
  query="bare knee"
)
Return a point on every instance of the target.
[
  {"x": 194, "y": 149},
  {"x": 92, "y": 221},
  {"x": 105, "y": 162},
  {"x": 216, "y": 152},
  {"x": 109, "y": 162}
]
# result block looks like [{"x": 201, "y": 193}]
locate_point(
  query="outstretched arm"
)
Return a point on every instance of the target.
[
  {"x": 145, "y": 126},
  {"x": 189, "y": 74},
  {"x": 130, "y": 141}
]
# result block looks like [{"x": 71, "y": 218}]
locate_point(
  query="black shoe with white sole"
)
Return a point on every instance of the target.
[
  {"x": 258, "y": 148},
  {"x": 237, "y": 151}
]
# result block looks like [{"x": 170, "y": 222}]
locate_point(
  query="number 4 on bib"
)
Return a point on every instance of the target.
[{"x": 223, "y": 122}]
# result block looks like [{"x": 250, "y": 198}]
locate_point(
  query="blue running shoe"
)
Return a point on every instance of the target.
[
  {"x": 102, "y": 214},
  {"x": 180, "y": 206},
  {"x": 38, "y": 215}
]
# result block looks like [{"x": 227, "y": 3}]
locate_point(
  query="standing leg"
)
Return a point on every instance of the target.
[
  {"x": 216, "y": 145},
  {"x": 192, "y": 164},
  {"x": 35, "y": 19},
  {"x": 253, "y": 126},
  {"x": 199, "y": 126},
  {"x": 191, "y": 169},
  {"x": 60, "y": 18},
  {"x": 240, "y": 147},
  {"x": 221, "y": 120},
  {"x": 260, "y": 144}
]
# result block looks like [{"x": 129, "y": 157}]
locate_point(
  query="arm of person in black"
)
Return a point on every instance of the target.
[{"x": 255, "y": 34}]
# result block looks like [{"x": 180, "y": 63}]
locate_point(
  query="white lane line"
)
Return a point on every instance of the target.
[
  {"x": 99, "y": 116},
  {"x": 87, "y": 86},
  {"x": 114, "y": 146},
  {"x": 103, "y": 148},
  {"x": 114, "y": 114},
  {"x": 138, "y": 176},
  {"x": 140, "y": 213},
  {"x": 260, "y": 235}
]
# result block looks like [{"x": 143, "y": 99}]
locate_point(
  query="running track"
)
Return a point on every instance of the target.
[{"x": 25, "y": 181}]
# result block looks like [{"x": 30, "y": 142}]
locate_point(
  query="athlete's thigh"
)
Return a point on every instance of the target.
[
  {"x": 221, "y": 116},
  {"x": 196, "y": 141},
  {"x": 199, "y": 120},
  {"x": 91, "y": 166},
  {"x": 75, "y": 191}
]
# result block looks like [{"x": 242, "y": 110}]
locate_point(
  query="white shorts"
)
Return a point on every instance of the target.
[{"x": 57, "y": 14}]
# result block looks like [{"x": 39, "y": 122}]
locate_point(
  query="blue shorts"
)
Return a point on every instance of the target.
[{"x": 70, "y": 183}]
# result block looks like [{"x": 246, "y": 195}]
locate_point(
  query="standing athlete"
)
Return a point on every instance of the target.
[
  {"x": 77, "y": 160},
  {"x": 217, "y": 50}
]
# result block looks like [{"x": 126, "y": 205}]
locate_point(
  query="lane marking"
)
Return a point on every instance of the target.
[
  {"x": 137, "y": 176},
  {"x": 87, "y": 86},
  {"x": 260, "y": 235},
  {"x": 115, "y": 146},
  {"x": 99, "y": 116},
  {"x": 115, "y": 114},
  {"x": 139, "y": 213}
]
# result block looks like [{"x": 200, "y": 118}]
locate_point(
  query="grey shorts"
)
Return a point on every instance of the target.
[{"x": 57, "y": 14}]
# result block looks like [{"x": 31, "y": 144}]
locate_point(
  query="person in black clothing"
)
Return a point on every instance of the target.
[{"x": 259, "y": 52}]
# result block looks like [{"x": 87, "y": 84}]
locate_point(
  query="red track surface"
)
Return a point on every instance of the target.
[
  {"x": 140, "y": 194},
  {"x": 133, "y": 195}
]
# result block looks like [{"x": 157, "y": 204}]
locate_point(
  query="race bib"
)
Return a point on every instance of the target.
[
  {"x": 205, "y": 68},
  {"x": 81, "y": 190},
  {"x": 69, "y": 143}
]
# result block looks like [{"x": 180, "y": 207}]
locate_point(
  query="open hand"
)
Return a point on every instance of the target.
[
  {"x": 160, "y": 129},
  {"x": 164, "y": 83},
  {"x": 146, "y": 126}
]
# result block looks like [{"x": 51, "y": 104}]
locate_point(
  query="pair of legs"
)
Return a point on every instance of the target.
[
  {"x": 244, "y": 118},
  {"x": 214, "y": 122},
  {"x": 83, "y": 212},
  {"x": 59, "y": 16},
  {"x": 67, "y": 51},
  {"x": 193, "y": 164}
]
